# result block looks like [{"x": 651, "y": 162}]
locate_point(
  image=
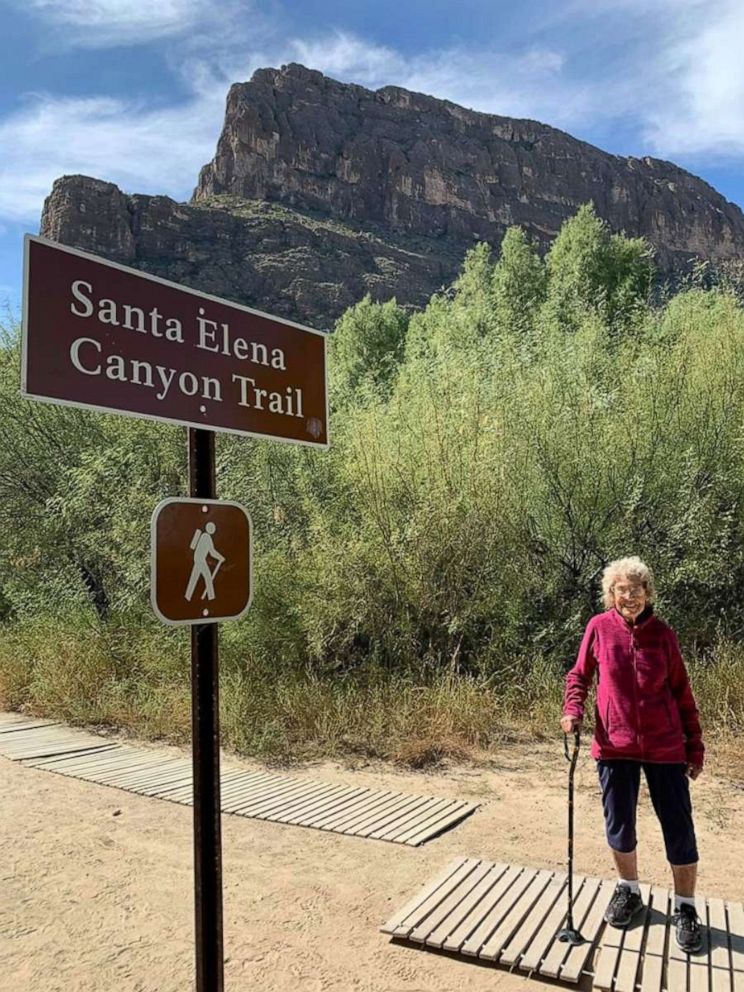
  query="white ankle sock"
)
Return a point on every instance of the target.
[
  {"x": 681, "y": 900},
  {"x": 633, "y": 886}
]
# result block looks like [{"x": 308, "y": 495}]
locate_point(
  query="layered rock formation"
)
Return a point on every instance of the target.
[{"x": 321, "y": 191}]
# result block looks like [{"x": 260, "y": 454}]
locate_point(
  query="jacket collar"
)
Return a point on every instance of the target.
[{"x": 642, "y": 619}]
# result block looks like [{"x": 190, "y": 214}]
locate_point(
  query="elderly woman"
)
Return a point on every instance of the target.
[{"x": 646, "y": 718}]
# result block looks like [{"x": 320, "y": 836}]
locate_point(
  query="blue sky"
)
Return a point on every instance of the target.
[{"x": 134, "y": 92}]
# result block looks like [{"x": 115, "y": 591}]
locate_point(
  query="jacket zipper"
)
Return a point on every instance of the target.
[{"x": 635, "y": 694}]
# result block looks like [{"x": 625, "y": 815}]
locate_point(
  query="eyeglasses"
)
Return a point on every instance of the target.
[{"x": 631, "y": 591}]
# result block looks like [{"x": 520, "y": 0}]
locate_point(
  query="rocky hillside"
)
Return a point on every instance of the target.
[{"x": 321, "y": 191}]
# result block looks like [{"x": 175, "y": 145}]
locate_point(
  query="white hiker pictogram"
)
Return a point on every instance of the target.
[{"x": 203, "y": 548}]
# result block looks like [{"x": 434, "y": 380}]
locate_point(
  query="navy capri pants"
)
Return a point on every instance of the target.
[{"x": 669, "y": 789}]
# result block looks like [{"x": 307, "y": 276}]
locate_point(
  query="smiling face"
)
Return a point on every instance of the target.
[{"x": 630, "y": 595}]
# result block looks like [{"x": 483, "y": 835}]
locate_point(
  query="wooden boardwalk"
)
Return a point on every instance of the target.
[
  {"x": 397, "y": 817},
  {"x": 512, "y": 916}
]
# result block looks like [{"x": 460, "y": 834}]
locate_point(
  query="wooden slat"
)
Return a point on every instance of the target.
[
  {"x": 410, "y": 826},
  {"x": 275, "y": 794},
  {"x": 337, "y": 806},
  {"x": 558, "y": 951},
  {"x": 460, "y": 812},
  {"x": 184, "y": 795},
  {"x": 137, "y": 775},
  {"x": 491, "y": 950},
  {"x": 303, "y": 812},
  {"x": 235, "y": 777},
  {"x": 735, "y": 912},
  {"x": 23, "y": 738},
  {"x": 281, "y": 807},
  {"x": 386, "y": 817},
  {"x": 67, "y": 764},
  {"x": 357, "y": 811},
  {"x": 388, "y": 820},
  {"x": 385, "y": 820},
  {"x": 498, "y": 913},
  {"x": 243, "y": 782},
  {"x": 23, "y": 725},
  {"x": 160, "y": 779},
  {"x": 267, "y": 787},
  {"x": 608, "y": 956},
  {"x": 239, "y": 792},
  {"x": 119, "y": 753},
  {"x": 532, "y": 923},
  {"x": 677, "y": 963},
  {"x": 28, "y": 735},
  {"x": 115, "y": 771},
  {"x": 123, "y": 762},
  {"x": 159, "y": 791},
  {"x": 261, "y": 806},
  {"x": 238, "y": 797},
  {"x": 353, "y": 815},
  {"x": 720, "y": 964},
  {"x": 700, "y": 963},
  {"x": 430, "y": 904},
  {"x": 486, "y": 898},
  {"x": 45, "y": 751},
  {"x": 630, "y": 959},
  {"x": 455, "y": 924},
  {"x": 33, "y": 743},
  {"x": 163, "y": 773},
  {"x": 442, "y": 916},
  {"x": 362, "y": 816},
  {"x": 576, "y": 959},
  {"x": 420, "y": 898},
  {"x": 334, "y": 814},
  {"x": 308, "y": 815},
  {"x": 79, "y": 760},
  {"x": 549, "y": 930},
  {"x": 657, "y": 925}
]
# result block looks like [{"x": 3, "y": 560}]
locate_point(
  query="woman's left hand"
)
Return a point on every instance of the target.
[{"x": 694, "y": 770}]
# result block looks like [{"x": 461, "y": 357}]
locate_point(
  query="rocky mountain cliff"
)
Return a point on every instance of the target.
[{"x": 322, "y": 191}]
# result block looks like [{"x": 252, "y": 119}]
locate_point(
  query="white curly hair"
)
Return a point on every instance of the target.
[{"x": 626, "y": 568}]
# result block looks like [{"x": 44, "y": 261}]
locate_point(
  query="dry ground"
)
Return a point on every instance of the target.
[{"x": 96, "y": 884}]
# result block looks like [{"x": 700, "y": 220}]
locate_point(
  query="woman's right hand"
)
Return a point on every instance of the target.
[{"x": 569, "y": 724}]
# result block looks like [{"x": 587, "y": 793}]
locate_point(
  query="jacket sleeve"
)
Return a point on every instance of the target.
[
  {"x": 688, "y": 711},
  {"x": 579, "y": 679}
]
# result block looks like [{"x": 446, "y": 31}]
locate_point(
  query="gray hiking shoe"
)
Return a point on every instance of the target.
[
  {"x": 687, "y": 930},
  {"x": 624, "y": 905}
]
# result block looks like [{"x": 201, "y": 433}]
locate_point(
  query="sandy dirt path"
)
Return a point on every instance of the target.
[{"x": 96, "y": 884}]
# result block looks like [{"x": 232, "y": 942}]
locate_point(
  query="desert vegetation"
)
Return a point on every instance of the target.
[{"x": 420, "y": 588}]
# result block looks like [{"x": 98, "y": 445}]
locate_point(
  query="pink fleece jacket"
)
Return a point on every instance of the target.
[{"x": 645, "y": 709}]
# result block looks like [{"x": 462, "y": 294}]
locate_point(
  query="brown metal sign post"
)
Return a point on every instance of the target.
[
  {"x": 102, "y": 336},
  {"x": 205, "y": 734}
]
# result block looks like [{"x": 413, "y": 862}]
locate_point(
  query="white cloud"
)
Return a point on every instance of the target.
[
  {"x": 511, "y": 84},
  {"x": 100, "y": 23},
  {"x": 156, "y": 151},
  {"x": 672, "y": 73},
  {"x": 705, "y": 73}
]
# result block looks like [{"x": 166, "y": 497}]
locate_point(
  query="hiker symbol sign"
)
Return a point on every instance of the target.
[{"x": 201, "y": 561}]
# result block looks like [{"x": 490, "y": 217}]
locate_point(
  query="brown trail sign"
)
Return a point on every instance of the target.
[
  {"x": 100, "y": 335},
  {"x": 201, "y": 561}
]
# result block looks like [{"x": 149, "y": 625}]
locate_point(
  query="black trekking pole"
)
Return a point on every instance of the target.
[{"x": 569, "y": 934}]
